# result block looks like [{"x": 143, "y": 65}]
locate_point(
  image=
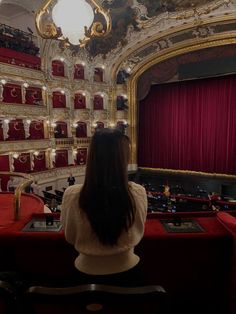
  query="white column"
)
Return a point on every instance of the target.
[
  {"x": 26, "y": 128},
  {"x": 1, "y": 92},
  {"x": 70, "y": 157},
  {"x": 11, "y": 163},
  {"x": 23, "y": 93},
  {"x": 69, "y": 132},
  {"x": 5, "y": 127}
]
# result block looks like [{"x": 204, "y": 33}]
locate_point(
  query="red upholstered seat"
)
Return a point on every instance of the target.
[{"x": 229, "y": 221}]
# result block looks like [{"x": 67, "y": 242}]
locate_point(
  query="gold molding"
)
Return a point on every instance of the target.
[
  {"x": 173, "y": 51},
  {"x": 189, "y": 172},
  {"x": 171, "y": 31}
]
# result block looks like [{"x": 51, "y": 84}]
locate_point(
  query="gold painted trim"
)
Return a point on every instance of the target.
[
  {"x": 171, "y": 31},
  {"x": 189, "y": 172},
  {"x": 17, "y": 195}
]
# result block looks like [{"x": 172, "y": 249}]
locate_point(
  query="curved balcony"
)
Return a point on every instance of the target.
[
  {"x": 82, "y": 141},
  {"x": 9, "y": 109},
  {"x": 64, "y": 142},
  {"x": 21, "y": 145}
]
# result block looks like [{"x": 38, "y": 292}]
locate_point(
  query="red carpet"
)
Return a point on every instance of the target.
[{"x": 29, "y": 204}]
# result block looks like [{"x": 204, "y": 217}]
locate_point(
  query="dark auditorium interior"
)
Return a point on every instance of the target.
[{"x": 164, "y": 73}]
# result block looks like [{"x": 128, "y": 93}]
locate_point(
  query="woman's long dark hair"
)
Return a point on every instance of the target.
[{"x": 105, "y": 196}]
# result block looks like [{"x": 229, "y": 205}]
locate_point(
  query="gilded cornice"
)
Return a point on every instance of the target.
[
  {"x": 29, "y": 111},
  {"x": 17, "y": 73},
  {"x": 25, "y": 145}
]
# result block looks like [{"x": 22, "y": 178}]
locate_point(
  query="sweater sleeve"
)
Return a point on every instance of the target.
[{"x": 69, "y": 213}]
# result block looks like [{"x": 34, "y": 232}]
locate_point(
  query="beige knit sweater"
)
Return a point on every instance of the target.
[{"x": 96, "y": 258}]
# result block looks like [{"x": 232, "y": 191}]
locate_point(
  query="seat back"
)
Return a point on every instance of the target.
[
  {"x": 96, "y": 298},
  {"x": 7, "y": 298}
]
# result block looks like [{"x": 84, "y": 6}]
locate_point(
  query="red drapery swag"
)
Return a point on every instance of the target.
[
  {"x": 4, "y": 166},
  {"x": 33, "y": 96},
  {"x": 39, "y": 162},
  {"x": 98, "y": 75},
  {"x": 58, "y": 68},
  {"x": 1, "y": 131},
  {"x": 98, "y": 102},
  {"x": 81, "y": 156},
  {"x": 60, "y": 130},
  {"x": 189, "y": 126},
  {"x": 79, "y": 101},
  {"x": 58, "y": 100},
  {"x": 22, "y": 163},
  {"x": 79, "y": 72},
  {"x": 81, "y": 129},
  {"x": 12, "y": 94},
  {"x": 61, "y": 158},
  {"x": 36, "y": 130},
  {"x": 16, "y": 130}
]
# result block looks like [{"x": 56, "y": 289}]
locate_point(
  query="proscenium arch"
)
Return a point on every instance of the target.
[{"x": 175, "y": 50}]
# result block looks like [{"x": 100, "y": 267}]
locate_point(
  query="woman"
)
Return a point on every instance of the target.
[{"x": 104, "y": 218}]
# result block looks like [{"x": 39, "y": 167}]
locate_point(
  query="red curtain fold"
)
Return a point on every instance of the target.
[
  {"x": 12, "y": 94},
  {"x": 98, "y": 102},
  {"x": 81, "y": 156},
  {"x": 81, "y": 129},
  {"x": 61, "y": 158},
  {"x": 79, "y": 101},
  {"x": 1, "y": 131},
  {"x": 39, "y": 162},
  {"x": 190, "y": 126},
  {"x": 16, "y": 130},
  {"x": 58, "y": 100},
  {"x": 4, "y": 166},
  {"x": 33, "y": 95},
  {"x": 58, "y": 68},
  {"x": 22, "y": 163},
  {"x": 60, "y": 130},
  {"x": 36, "y": 130},
  {"x": 79, "y": 72}
]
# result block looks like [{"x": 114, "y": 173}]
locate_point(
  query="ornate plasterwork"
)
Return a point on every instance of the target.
[
  {"x": 82, "y": 114},
  {"x": 19, "y": 72},
  {"x": 13, "y": 146},
  {"x": 59, "y": 173},
  {"x": 194, "y": 34},
  {"x": 30, "y": 111}
]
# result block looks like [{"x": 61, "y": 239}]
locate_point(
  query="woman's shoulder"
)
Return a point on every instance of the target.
[
  {"x": 72, "y": 190},
  {"x": 137, "y": 188}
]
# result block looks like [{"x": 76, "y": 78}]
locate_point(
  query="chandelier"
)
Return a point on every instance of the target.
[{"x": 72, "y": 21}]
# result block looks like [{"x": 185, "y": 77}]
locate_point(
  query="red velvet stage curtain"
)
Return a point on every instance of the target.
[
  {"x": 98, "y": 102},
  {"x": 58, "y": 100},
  {"x": 12, "y": 94},
  {"x": 16, "y": 130},
  {"x": 79, "y": 101},
  {"x": 22, "y": 163},
  {"x": 79, "y": 72},
  {"x": 81, "y": 156},
  {"x": 4, "y": 166},
  {"x": 190, "y": 126},
  {"x": 1, "y": 131},
  {"x": 98, "y": 75},
  {"x": 61, "y": 158},
  {"x": 81, "y": 130},
  {"x": 36, "y": 130},
  {"x": 58, "y": 68},
  {"x": 39, "y": 162},
  {"x": 60, "y": 130},
  {"x": 33, "y": 96}
]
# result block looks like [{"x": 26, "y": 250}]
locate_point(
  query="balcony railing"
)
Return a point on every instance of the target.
[
  {"x": 82, "y": 141},
  {"x": 64, "y": 142}
]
